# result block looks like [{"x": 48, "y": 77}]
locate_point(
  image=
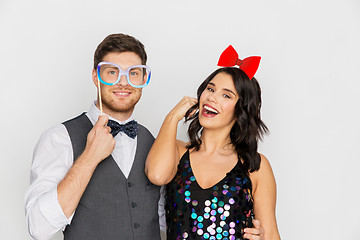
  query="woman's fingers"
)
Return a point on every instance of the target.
[
  {"x": 183, "y": 106},
  {"x": 194, "y": 100},
  {"x": 192, "y": 112},
  {"x": 189, "y": 101}
]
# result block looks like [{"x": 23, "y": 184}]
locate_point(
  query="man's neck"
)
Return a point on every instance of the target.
[{"x": 120, "y": 116}]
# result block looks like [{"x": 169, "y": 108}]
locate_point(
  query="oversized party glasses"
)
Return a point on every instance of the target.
[{"x": 137, "y": 76}]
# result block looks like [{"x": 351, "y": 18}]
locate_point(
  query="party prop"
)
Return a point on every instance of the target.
[
  {"x": 108, "y": 73},
  {"x": 137, "y": 76},
  {"x": 230, "y": 58},
  {"x": 100, "y": 101}
]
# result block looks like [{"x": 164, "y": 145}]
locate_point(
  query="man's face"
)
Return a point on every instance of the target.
[{"x": 121, "y": 97}]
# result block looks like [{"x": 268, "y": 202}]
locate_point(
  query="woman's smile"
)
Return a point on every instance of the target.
[{"x": 209, "y": 111}]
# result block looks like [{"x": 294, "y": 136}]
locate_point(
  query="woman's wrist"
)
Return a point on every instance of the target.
[{"x": 172, "y": 117}]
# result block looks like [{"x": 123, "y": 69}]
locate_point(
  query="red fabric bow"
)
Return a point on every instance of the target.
[{"x": 230, "y": 58}]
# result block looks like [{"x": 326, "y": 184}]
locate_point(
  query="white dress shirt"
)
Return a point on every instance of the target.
[{"x": 52, "y": 159}]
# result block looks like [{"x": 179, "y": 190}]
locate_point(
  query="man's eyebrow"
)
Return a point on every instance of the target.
[
  {"x": 108, "y": 66},
  {"x": 225, "y": 89}
]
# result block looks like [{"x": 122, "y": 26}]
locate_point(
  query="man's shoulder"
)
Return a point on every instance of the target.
[
  {"x": 80, "y": 122},
  {"x": 81, "y": 116},
  {"x": 59, "y": 130},
  {"x": 145, "y": 131},
  {"x": 53, "y": 136}
]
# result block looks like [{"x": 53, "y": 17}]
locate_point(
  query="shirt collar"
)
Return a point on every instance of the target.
[{"x": 94, "y": 114}]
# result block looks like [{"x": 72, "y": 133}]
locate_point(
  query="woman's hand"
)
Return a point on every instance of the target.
[
  {"x": 182, "y": 107},
  {"x": 255, "y": 233}
]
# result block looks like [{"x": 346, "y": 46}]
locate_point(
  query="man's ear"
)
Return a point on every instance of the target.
[{"x": 95, "y": 77}]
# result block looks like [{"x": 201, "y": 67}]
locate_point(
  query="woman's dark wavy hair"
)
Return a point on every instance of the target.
[{"x": 248, "y": 127}]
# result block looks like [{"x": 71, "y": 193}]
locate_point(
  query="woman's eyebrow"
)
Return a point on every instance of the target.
[
  {"x": 228, "y": 90},
  {"x": 225, "y": 89}
]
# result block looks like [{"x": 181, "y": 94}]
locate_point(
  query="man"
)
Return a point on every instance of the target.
[{"x": 85, "y": 179}]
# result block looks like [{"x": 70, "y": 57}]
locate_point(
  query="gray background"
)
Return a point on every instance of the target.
[{"x": 309, "y": 76}]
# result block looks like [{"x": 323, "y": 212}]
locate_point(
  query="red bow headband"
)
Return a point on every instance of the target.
[{"x": 230, "y": 58}]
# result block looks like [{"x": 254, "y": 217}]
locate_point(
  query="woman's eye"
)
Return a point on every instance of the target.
[
  {"x": 112, "y": 72},
  {"x": 210, "y": 89},
  {"x": 226, "y": 96}
]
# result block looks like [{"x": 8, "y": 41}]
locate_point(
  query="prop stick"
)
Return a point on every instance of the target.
[{"x": 100, "y": 102}]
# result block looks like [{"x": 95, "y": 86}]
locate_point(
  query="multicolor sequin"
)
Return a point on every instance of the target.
[{"x": 219, "y": 212}]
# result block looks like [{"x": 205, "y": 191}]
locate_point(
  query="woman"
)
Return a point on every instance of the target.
[{"x": 217, "y": 182}]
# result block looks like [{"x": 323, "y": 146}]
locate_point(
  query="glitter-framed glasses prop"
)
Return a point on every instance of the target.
[{"x": 137, "y": 76}]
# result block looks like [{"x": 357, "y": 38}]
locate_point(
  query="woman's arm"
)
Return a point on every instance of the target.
[
  {"x": 163, "y": 158},
  {"x": 264, "y": 195}
]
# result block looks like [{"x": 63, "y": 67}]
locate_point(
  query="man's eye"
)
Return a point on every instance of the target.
[{"x": 112, "y": 72}]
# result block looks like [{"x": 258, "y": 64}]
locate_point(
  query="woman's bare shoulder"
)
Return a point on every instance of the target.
[
  {"x": 264, "y": 164},
  {"x": 264, "y": 174}
]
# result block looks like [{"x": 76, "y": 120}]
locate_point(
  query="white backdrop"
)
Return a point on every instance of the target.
[{"x": 309, "y": 75}]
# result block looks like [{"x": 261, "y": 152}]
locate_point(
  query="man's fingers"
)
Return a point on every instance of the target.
[
  {"x": 255, "y": 231},
  {"x": 256, "y": 223},
  {"x": 102, "y": 121},
  {"x": 252, "y": 237}
]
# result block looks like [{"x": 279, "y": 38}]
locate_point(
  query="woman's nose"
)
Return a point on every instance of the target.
[{"x": 212, "y": 97}]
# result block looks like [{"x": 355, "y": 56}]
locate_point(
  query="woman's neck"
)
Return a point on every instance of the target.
[{"x": 216, "y": 141}]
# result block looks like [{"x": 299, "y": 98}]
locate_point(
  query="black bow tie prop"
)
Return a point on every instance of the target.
[{"x": 130, "y": 128}]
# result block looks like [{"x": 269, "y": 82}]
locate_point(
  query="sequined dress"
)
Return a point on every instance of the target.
[{"x": 219, "y": 212}]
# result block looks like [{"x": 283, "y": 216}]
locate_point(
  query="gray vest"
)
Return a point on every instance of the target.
[{"x": 113, "y": 207}]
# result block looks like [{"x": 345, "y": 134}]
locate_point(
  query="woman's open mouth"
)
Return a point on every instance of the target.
[{"x": 209, "y": 111}]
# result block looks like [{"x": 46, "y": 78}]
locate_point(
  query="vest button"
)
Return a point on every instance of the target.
[
  {"x": 133, "y": 204},
  {"x": 129, "y": 184},
  {"x": 136, "y": 225}
]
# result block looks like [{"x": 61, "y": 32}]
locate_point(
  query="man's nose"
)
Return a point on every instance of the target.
[{"x": 123, "y": 81}]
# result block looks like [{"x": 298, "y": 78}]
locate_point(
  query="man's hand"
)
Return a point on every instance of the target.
[
  {"x": 100, "y": 143},
  {"x": 256, "y": 233}
]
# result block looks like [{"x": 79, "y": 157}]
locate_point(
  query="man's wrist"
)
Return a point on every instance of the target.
[{"x": 89, "y": 159}]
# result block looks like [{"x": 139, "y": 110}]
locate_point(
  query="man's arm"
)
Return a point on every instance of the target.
[
  {"x": 100, "y": 143},
  {"x": 52, "y": 159},
  {"x": 57, "y": 185}
]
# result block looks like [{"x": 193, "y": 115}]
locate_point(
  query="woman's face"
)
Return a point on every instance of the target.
[{"x": 217, "y": 102}]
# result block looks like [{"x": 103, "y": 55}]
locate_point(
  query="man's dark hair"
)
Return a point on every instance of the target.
[{"x": 119, "y": 43}]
